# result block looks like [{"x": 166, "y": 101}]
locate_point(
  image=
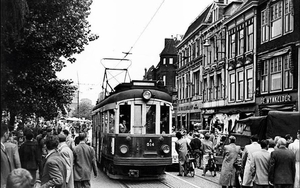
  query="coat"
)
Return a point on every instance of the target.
[
  {"x": 282, "y": 166},
  {"x": 259, "y": 167},
  {"x": 54, "y": 171},
  {"x": 247, "y": 158},
  {"x": 227, "y": 175},
  {"x": 84, "y": 162},
  {"x": 66, "y": 152},
  {"x": 30, "y": 155},
  {"x": 13, "y": 154},
  {"x": 5, "y": 166}
]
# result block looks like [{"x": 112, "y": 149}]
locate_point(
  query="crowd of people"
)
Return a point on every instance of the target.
[
  {"x": 268, "y": 163},
  {"x": 54, "y": 157}
]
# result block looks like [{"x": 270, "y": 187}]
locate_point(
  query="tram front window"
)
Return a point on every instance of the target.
[
  {"x": 164, "y": 120},
  {"x": 124, "y": 119},
  {"x": 150, "y": 119}
]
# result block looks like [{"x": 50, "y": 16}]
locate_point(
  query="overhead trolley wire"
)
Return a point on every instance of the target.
[{"x": 127, "y": 53}]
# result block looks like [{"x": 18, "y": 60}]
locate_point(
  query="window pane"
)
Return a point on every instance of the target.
[
  {"x": 150, "y": 119},
  {"x": 164, "y": 119},
  {"x": 276, "y": 81}
]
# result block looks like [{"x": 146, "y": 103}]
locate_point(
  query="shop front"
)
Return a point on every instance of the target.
[
  {"x": 189, "y": 116},
  {"x": 277, "y": 102}
]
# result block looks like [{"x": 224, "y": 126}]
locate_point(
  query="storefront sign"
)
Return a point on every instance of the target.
[{"x": 276, "y": 99}]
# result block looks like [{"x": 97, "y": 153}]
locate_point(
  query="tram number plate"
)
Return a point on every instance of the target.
[{"x": 150, "y": 143}]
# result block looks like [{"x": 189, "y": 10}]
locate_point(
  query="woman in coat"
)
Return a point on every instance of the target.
[{"x": 231, "y": 152}]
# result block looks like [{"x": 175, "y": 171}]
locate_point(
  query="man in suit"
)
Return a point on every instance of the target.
[
  {"x": 295, "y": 148},
  {"x": 5, "y": 162},
  {"x": 30, "y": 155},
  {"x": 54, "y": 169},
  {"x": 282, "y": 166},
  {"x": 247, "y": 159},
  {"x": 67, "y": 154},
  {"x": 12, "y": 151},
  {"x": 260, "y": 166},
  {"x": 84, "y": 163}
]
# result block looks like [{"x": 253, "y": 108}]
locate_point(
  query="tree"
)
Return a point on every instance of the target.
[
  {"x": 30, "y": 57},
  {"x": 85, "y": 109}
]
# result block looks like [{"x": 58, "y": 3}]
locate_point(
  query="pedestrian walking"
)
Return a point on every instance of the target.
[
  {"x": 12, "y": 151},
  {"x": 181, "y": 147},
  {"x": 84, "y": 163},
  {"x": 67, "y": 154},
  {"x": 247, "y": 159},
  {"x": 207, "y": 149},
  {"x": 295, "y": 148},
  {"x": 282, "y": 166},
  {"x": 5, "y": 161},
  {"x": 19, "y": 178},
  {"x": 30, "y": 155},
  {"x": 260, "y": 165},
  {"x": 69, "y": 139},
  {"x": 228, "y": 171},
  {"x": 196, "y": 148},
  {"x": 54, "y": 170}
]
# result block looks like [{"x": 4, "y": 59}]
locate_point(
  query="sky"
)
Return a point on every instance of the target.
[{"x": 138, "y": 26}]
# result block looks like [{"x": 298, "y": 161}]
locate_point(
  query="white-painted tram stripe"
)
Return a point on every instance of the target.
[{"x": 183, "y": 180}]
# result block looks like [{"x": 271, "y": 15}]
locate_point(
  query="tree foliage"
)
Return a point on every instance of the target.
[
  {"x": 85, "y": 110},
  {"x": 49, "y": 33}
]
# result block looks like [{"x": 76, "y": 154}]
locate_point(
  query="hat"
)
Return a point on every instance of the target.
[
  {"x": 232, "y": 137},
  {"x": 61, "y": 137}
]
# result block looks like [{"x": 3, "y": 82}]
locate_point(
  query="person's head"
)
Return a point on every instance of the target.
[
  {"x": 298, "y": 134},
  {"x": 288, "y": 138},
  {"x": 178, "y": 135},
  {"x": 72, "y": 130},
  {"x": 19, "y": 178},
  {"x": 51, "y": 142},
  {"x": 232, "y": 139},
  {"x": 81, "y": 136},
  {"x": 271, "y": 143},
  {"x": 264, "y": 144},
  {"x": 254, "y": 138},
  {"x": 66, "y": 132},
  {"x": 276, "y": 139},
  {"x": 196, "y": 135},
  {"x": 61, "y": 137},
  {"x": 281, "y": 142},
  {"x": 49, "y": 131},
  {"x": 29, "y": 135},
  {"x": 4, "y": 131}
]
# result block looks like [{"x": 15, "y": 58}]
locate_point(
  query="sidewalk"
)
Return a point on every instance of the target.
[{"x": 208, "y": 175}]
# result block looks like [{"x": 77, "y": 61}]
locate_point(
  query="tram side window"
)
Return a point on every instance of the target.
[
  {"x": 150, "y": 119},
  {"x": 124, "y": 119},
  {"x": 105, "y": 122},
  {"x": 111, "y": 121},
  {"x": 164, "y": 120}
]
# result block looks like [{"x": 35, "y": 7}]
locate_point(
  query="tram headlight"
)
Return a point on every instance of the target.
[
  {"x": 123, "y": 149},
  {"x": 147, "y": 95},
  {"x": 165, "y": 149}
]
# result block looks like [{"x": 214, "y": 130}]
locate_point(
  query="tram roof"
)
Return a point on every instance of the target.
[{"x": 134, "y": 89}]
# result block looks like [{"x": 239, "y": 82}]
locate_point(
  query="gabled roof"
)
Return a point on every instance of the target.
[
  {"x": 170, "y": 47},
  {"x": 199, "y": 20}
]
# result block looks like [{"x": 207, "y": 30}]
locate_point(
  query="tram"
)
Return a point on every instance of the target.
[{"x": 131, "y": 131}]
